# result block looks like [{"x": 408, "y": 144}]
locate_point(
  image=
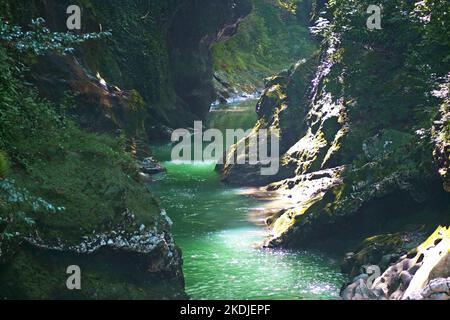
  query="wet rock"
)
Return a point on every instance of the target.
[{"x": 150, "y": 166}]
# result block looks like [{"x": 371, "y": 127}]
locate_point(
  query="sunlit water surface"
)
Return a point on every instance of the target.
[{"x": 212, "y": 228}]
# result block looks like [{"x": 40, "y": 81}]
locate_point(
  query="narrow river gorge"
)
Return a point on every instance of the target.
[
  {"x": 349, "y": 141},
  {"x": 222, "y": 259}
]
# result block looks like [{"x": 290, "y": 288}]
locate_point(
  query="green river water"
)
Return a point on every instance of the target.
[{"x": 212, "y": 228}]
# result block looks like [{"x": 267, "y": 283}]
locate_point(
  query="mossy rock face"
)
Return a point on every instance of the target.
[
  {"x": 98, "y": 216},
  {"x": 356, "y": 194},
  {"x": 277, "y": 111}
]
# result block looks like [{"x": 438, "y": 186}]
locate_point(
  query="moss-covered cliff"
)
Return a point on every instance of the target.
[
  {"x": 266, "y": 42},
  {"x": 356, "y": 128},
  {"x": 74, "y": 198}
]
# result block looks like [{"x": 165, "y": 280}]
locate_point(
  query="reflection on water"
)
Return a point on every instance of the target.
[
  {"x": 211, "y": 225},
  {"x": 235, "y": 116}
]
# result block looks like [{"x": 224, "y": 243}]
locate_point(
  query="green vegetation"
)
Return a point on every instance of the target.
[
  {"x": 39, "y": 40},
  {"x": 54, "y": 159},
  {"x": 269, "y": 40},
  {"x": 4, "y": 166},
  {"x": 142, "y": 27}
]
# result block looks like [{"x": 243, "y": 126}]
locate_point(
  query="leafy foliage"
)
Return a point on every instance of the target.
[
  {"x": 289, "y": 5},
  {"x": 39, "y": 40},
  {"x": 26, "y": 122},
  {"x": 400, "y": 64}
]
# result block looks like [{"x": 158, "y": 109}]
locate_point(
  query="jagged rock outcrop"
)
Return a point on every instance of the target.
[
  {"x": 380, "y": 250},
  {"x": 191, "y": 62},
  {"x": 280, "y": 104},
  {"x": 99, "y": 106}
]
